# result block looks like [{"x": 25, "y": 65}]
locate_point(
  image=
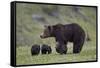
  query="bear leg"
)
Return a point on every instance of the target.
[
  {"x": 77, "y": 47},
  {"x": 49, "y": 51},
  {"x": 62, "y": 49}
]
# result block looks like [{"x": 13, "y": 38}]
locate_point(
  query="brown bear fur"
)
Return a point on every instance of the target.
[{"x": 66, "y": 33}]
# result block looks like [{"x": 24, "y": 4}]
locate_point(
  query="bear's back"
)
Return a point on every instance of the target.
[{"x": 73, "y": 27}]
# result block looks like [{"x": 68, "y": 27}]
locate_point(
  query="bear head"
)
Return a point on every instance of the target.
[
  {"x": 51, "y": 31},
  {"x": 47, "y": 32}
]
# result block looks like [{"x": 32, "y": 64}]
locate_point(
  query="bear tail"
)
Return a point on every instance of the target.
[{"x": 88, "y": 37}]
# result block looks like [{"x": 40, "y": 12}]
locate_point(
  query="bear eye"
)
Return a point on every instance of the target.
[{"x": 46, "y": 31}]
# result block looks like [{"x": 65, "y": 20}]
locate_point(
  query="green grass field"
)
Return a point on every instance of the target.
[
  {"x": 29, "y": 30},
  {"x": 24, "y": 56}
]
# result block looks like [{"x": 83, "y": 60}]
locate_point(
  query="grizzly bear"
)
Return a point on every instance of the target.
[
  {"x": 35, "y": 49},
  {"x": 45, "y": 49},
  {"x": 66, "y": 33}
]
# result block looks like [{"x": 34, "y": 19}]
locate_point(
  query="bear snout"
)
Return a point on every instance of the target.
[{"x": 41, "y": 36}]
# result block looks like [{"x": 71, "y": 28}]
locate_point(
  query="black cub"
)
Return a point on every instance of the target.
[
  {"x": 35, "y": 49},
  {"x": 45, "y": 49}
]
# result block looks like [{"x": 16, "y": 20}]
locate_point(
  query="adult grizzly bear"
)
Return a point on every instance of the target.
[{"x": 66, "y": 33}]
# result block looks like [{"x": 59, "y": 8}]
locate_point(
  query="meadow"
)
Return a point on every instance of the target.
[{"x": 30, "y": 21}]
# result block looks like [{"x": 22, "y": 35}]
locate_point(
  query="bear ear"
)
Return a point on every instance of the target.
[{"x": 50, "y": 28}]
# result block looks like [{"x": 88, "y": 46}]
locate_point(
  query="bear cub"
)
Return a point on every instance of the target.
[
  {"x": 45, "y": 49},
  {"x": 35, "y": 49}
]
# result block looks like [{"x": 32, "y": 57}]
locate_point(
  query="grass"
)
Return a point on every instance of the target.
[
  {"x": 24, "y": 57},
  {"x": 29, "y": 30}
]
